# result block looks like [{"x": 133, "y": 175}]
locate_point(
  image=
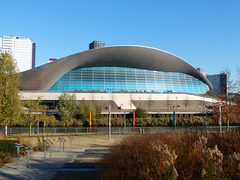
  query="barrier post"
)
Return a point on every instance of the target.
[
  {"x": 133, "y": 118},
  {"x": 45, "y": 147},
  {"x": 174, "y": 120},
  {"x": 28, "y": 150},
  {"x": 63, "y": 143},
  {"x": 90, "y": 119},
  {"x": 70, "y": 141},
  {"x": 18, "y": 149},
  {"x": 60, "y": 141},
  {"x": 50, "y": 147}
]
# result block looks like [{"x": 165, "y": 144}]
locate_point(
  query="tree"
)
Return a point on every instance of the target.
[
  {"x": 33, "y": 113},
  {"x": 84, "y": 109},
  {"x": 10, "y": 104},
  {"x": 211, "y": 94},
  {"x": 238, "y": 78},
  {"x": 50, "y": 120},
  {"x": 230, "y": 111},
  {"x": 67, "y": 107},
  {"x": 141, "y": 113},
  {"x": 232, "y": 84}
]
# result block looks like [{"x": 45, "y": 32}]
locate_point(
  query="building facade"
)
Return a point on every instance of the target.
[
  {"x": 219, "y": 82},
  {"x": 22, "y": 50},
  {"x": 125, "y": 77},
  {"x": 96, "y": 44},
  {"x": 201, "y": 70}
]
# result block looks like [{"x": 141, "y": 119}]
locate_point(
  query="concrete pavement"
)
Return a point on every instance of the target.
[
  {"x": 40, "y": 168},
  {"x": 70, "y": 164}
]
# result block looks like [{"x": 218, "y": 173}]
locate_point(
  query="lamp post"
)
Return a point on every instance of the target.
[
  {"x": 203, "y": 103},
  {"x": 206, "y": 120},
  {"x": 109, "y": 123},
  {"x": 176, "y": 102},
  {"x": 102, "y": 102},
  {"x": 220, "y": 119}
]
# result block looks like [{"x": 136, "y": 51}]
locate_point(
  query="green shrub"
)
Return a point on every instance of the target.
[
  {"x": 141, "y": 113},
  {"x": 1, "y": 162},
  {"x": 7, "y": 151},
  {"x": 8, "y": 146}
]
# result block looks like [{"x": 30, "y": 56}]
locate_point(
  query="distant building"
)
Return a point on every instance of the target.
[
  {"x": 96, "y": 44},
  {"x": 22, "y": 50},
  {"x": 201, "y": 70},
  {"x": 219, "y": 82},
  {"x": 51, "y": 60}
]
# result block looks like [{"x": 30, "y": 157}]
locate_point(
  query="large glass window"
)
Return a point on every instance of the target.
[{"x": 110, "y": 79}]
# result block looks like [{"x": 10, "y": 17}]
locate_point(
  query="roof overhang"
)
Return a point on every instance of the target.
[{"x": 43, "y": 77}]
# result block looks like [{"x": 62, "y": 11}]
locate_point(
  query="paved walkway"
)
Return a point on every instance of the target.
[{"x": 70, "y": 164}]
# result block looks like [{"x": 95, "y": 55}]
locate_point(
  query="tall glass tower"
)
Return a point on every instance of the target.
[{"x": 21, "y": 48}]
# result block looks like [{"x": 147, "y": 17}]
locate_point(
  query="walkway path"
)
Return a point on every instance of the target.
[{"x": 70, "y": 164}]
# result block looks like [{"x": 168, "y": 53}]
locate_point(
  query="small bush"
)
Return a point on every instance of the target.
[
  {"x": 8, "y": 146},
  {"x": 7, "y": 151},
  {"x": 141, "y": 113}
]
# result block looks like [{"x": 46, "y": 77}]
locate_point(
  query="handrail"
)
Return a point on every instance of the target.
[
  {"x": 62, "y": 140},
  {"x": 70, "y": 141},
  {"x": 26, "y": 148},
  {"x": 48, "y": 143}
]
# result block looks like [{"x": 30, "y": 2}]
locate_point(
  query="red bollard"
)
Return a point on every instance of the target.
[
  {"x": 133, "y": 118},
  {"x": 90, "y": 129},
  {"x": 90, "y": 118}
]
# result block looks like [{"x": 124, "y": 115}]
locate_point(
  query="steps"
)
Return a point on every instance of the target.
[{"x": 84, "y": 166}]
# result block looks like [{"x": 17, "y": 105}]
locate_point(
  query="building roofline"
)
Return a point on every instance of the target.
[{"x": 141, "y": 57}]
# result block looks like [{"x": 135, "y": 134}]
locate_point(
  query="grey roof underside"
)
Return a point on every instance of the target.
[{"x": 43, "y": 77}]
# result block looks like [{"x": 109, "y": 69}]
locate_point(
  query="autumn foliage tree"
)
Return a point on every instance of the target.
[
  {"x": 10, "y": 104},
  {"x": 230, "y": 111}
]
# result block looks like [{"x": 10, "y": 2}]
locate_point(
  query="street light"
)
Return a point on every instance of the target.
[
  {"x": 176, "y": 102},
  {"x": 102, "y": 102},
  {"x": 220, "y": 119}
]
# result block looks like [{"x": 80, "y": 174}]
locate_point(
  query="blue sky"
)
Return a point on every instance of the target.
[{"x": 205, "y": 33}]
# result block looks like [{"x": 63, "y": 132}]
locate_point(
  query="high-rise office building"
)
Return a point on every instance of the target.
[
  {"x": 219, "y": 82},
  {"x": 96, "y": 44},
  {"x": 22, "y": 50}
]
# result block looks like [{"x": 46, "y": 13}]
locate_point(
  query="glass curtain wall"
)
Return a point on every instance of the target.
[{"x": 112, "y": 79}]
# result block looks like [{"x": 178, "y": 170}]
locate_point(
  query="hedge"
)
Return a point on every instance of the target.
[{"x": 8, "y": 147}]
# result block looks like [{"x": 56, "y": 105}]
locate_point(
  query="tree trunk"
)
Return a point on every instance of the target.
[
  {"x": 44, "y": 125},
  {"x": 38, "y": 127},
  {"x": 6, "y": 132},
  {"x": 30, "y": 129}
]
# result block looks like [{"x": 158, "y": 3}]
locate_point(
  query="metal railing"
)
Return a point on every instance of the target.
[
  {"x": 62, "y": 141},
  {"x": 47, "y": 143},
  {"x": 114, "y": 130},
  {"x": 26, "y": 148},
  {"x": 70, "y": 141}
]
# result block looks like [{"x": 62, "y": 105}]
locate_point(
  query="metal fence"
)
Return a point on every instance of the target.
[{"x": 114, "y": 130}]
